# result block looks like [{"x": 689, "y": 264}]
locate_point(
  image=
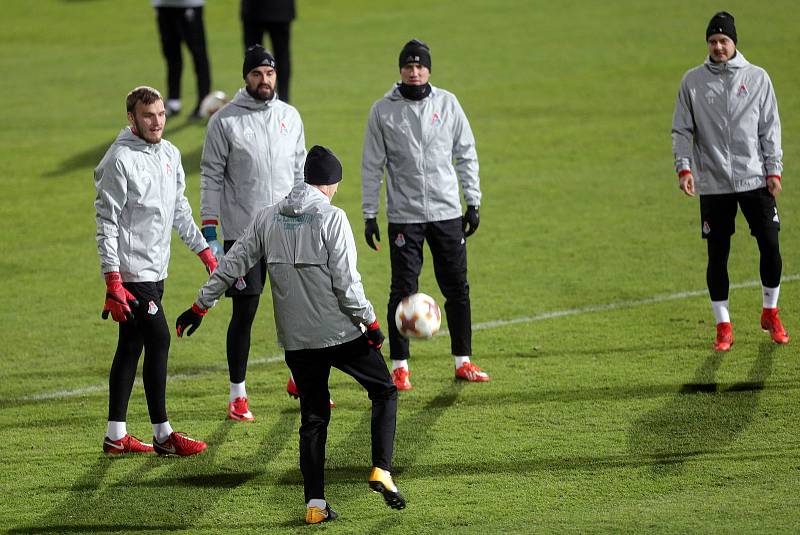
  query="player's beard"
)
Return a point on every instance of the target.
[
  {"x": 145, "y": 134},
  {"x": 262, "y": 92}
]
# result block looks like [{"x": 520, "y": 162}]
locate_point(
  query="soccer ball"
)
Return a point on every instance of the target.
[
  {"x": 418, "y": 316},
  {"x": 212, "y": 103}
]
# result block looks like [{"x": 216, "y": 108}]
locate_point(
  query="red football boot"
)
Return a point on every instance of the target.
[
  {"x": 179, "y": 444},
  {"x": 771, "y": 323},
  {"x": 127, "y": 444},
  {"x": 724, "y": 339}
]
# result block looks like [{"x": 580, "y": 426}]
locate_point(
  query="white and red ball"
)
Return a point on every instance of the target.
[
  {"x": 212, "y": 103},
  {"x": 418, "y": 316}
]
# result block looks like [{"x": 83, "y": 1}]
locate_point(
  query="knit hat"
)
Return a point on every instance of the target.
[
  {"x": 415, "y": 51},
  {"x": 256, "y": 56},
  {"x": 723, "y": 23},
  {"x": 322, "y": 167}
]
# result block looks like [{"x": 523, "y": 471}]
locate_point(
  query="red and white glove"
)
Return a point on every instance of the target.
[
  {"x": 208, "y": 259},
  {"x": 118, "y": 299},
  {"x": 375, "y": 335}
]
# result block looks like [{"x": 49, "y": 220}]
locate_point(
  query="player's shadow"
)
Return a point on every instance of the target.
[
  {"x": 703, "y": 417},
  {"x": 161, "y": 494}
]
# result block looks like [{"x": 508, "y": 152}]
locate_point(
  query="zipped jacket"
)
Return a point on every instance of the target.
[
  {"x": 417, "y": 142},
  {"x": 726, "y": 129},
  {"x": 253, "y": 154},
  {"x": 311, "y": 260},
  {"x": 140, "y": 199}
]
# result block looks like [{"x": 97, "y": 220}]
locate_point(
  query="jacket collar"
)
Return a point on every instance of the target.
[
  {"x": 736, "y": 62},
  {"x": 394, "y": 92},
  {"x": 243, "y": 99}
]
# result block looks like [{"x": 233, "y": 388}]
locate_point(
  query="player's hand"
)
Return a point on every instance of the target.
[
  {"x": 686, "y": 183},
  {"x": 774, "y": 185},
  {"x": 118, "y": 299},
  {"x": 374, "y": 335},
  {"x": 372, "y": 233},
  {"x": 191, "y": 318},
  {"x": 207, "y": 257},
  {"x": 470, "y": 221},
  {"x": 210, "y": 234}
]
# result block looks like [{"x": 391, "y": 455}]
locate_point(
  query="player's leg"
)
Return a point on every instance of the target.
[
  {"x": 718, "y": 216},
  {"x": 280, "y": 35},
  {"x": 311, "y": 369},
  {"x": 449, "y": 251},
  {"x": 252, "y": 34},
  {"x": 366, "y": 365},
  {"x": 761, "y": 211},
  {"x": 405, "y": 251},
  {"x": 168, "y": 19},
  {"x": 195, "y": 36}
]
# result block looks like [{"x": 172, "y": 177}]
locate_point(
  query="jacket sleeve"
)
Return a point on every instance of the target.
[
  {"x": 373, "y": 161},
  {"x": 212, "y": 170},
  {"x": 769, "y": 131},
  {"x": 239, "y": 259},
  {"x": 345, "y": 278},
  {"x": 683, "y": 129},
  {"x": 300, "y": 154},
  {"x": 111, "y": 183},
  {"x": 465, "y": 156},
  {"x": 182, "y": 222}
]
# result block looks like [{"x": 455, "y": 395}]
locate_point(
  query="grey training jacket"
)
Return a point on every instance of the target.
[
  {"x": 311, "y": 260},
  {"x": 726, "y": 128},
  {"x": 253, "y": 154},
  {"x": 417, "y": 142},
  {"x": 139, "y": 201}
]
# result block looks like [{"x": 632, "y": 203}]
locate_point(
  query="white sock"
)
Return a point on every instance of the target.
[
  {"x": 238, "y": 391},
  {"x": 721, "y": 311},
  {"x": 316, "y": 502},
  {"x": 460, "y": 361},
  {"x": 162, "y": 431},
  {"x": 399, "y": 364},
  {"x": 174, "y": 104},
  {"x": 116, "y": 430},
  {"x": 770, "y": 296}
]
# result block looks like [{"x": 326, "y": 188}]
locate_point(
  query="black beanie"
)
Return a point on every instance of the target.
[
  {"x": 256, "y": 56},
  {"x": 722, "y": 23},
  {"x": 322, "y": 167},
  {"x": 415, "y": 52}
]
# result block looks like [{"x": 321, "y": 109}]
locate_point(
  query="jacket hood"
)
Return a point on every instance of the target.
[
  {"x": 394, "y": 92},
  {"x": 303, "y": 199},
  {"x": 128, "y": 139},
  {"x": 243, "y": 99},
  {"x": 736, "y": 62}
]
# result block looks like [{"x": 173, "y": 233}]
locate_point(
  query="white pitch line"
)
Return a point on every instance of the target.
[{"x": 61, "y": 394}]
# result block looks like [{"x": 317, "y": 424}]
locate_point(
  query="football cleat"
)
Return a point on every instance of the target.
[
  {"x": 315, "y": 515},
  {"x": 469, "y": 372},
  {"x": 400, "y": 378},
  {"x": 179, "y": 444},
  {"x": 291, "y": 389},
  {"x": 238, "y": 410},
  {"x": 771, "y": 323},
  {"x": 127, "y": 444},
  {"x": 380, "y": 481},
  {"x": 724, "y": 339}
]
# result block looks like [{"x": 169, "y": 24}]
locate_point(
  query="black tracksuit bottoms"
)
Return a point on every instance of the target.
[{"x": 177, "y": 25}]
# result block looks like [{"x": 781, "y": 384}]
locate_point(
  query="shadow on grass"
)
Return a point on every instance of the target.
[
  {"x": 157, "y": 493},
  {"x": 704, "y": 417}
]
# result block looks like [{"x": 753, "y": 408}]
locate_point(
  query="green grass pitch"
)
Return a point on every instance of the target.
[{"x": 607, "y": 410}]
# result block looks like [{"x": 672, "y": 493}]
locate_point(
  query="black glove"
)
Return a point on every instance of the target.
[
  {"x": 192, "y": 318},
  {"x": 371, "y": 230},
  {"x": 470, "y": 221},
  {"x": 374, "y": 335}
]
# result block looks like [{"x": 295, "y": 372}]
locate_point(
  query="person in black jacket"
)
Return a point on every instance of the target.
[{"x": 275, "y": 17}]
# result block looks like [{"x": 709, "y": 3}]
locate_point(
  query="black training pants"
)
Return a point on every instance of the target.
[
  {"x": 177, "y": 25},
  {"x": 311, "y": 368},
  {"x": 149, "y": 331},
  {"x": 449, "y": 251},
  {"x": 280, "y": 35}
]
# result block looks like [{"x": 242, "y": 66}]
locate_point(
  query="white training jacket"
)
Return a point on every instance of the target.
[
  {"x": 311, "y": 260},
  {"x": 139, "y": 201},
  {"x": 417, "y": 143},
  {"x": 726, "y": 129},
  {"x": 253, "y": 154}
]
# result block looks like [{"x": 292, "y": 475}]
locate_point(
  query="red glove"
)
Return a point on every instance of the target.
[
  {"x": 208, "y": 259},
  {"x": 117, "y": 299},
  {"x": 191, "y": 319},
  {"x": 374, "y": 335}
]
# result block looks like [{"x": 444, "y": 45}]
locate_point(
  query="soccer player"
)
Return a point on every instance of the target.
[
  {"x": 253, "y": 155},
  {"x": 416, "y": 132},
  {"x": 140, "y": 183},
  {"x": 320, "y": 311},
  {"x": 726, "y": 138}
]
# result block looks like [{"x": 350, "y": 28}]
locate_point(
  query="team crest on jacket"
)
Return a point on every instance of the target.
[
  {"x": 436, "y": 120},
  {"x": 152, "y": 308},
  {"x": 284, "y": 130},
  {"x": 742, "y": 92},
  {"x": 706, "y": 227},
  {"x": 400, "y": 240},
  {"x": 169, "y": 168},
  {"x": 240, "y": 284}
]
